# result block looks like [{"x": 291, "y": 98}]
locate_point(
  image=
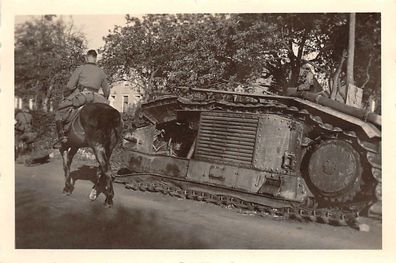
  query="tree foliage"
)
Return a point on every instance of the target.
[
  {"x": 47, "y": 49},
  {"x": 221, "y": 50}
]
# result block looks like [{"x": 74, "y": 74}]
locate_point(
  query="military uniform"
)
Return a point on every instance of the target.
[
  {"x": 23, "y": 121},
  {"x": 24, "y": 127},
  {"x": 83, "y": 87},
  {"x": 239, "y": 89},
  {"x": 91, "y": 76}
]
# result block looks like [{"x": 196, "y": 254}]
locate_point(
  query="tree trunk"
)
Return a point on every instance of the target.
[
  {"x": 36, "y": 102},
  {"x": 297, "y": 61},
  {"x": 351, "y": 50},
  {"x": 367, "y": 72},
  {"x": 150, "y": 84},
  {"x": 46, "y": 99},
  {"x": 336, "y": 77},
  {"x": 296, "y": 66}
]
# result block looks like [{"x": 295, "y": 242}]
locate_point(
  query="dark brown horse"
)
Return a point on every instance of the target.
[{"x": 98, "y": 126}]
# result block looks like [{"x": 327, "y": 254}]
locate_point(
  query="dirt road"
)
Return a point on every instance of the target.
[{"x": 45, "y": 218}]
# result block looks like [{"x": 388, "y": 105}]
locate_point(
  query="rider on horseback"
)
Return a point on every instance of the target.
[{"x": 82, "y": 88}]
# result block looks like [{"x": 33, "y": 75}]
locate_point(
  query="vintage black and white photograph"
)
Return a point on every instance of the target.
[{"x": 198, "y": 131}]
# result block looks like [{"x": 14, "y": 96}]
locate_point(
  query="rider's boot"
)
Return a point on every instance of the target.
[{"x": 61, "y": 135}]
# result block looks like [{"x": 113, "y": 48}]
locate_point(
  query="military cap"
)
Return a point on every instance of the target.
[{"x": 92, "y": 53}]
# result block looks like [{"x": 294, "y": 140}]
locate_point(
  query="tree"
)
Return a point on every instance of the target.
[
  {"x": 202, "y": 50},
  {"x": 367, "y": 68},
  {"x": 47, "y": 49},
  {"x": 223, "y": 50}
]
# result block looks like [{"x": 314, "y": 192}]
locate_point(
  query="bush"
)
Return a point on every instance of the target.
[
  {"x": 44, "y": 125},
  {"x": 133, "y": 119}
]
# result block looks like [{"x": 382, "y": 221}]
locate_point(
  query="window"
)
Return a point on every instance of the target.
[
  {"x": 125, "y": 103},
  {"x": 112, "y": 100}
]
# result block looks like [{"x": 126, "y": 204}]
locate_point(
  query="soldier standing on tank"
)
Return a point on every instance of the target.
[
  {"x": 82, "y": 88},
  {"x": 238, "y": 89}
]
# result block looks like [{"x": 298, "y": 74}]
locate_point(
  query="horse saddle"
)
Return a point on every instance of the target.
[
  {"x": 73, "y": 127},
  {"x": 86, "y": 97}
]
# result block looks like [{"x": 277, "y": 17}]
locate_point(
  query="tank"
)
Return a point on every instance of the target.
[{"x": 302, "y": 156}]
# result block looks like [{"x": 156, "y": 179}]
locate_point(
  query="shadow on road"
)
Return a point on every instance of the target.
[
  {"x": 43, "y": 226},
  {"x": 85, "y": 172}
]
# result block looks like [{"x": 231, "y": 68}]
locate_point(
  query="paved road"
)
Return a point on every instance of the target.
[{"x": 45, "y": 218}]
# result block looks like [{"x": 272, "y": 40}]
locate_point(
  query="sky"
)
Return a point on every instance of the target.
[{"x": 95, "y": 27}]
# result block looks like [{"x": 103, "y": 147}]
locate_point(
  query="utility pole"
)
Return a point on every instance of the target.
[{"x": 351, "y": 49}]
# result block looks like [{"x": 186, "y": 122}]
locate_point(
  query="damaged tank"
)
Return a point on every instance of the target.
[{"x": 302, "y": 156}]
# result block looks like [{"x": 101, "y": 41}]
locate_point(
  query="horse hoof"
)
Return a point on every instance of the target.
[
  {"x": 108, "y": 203},
  {"x": 93, "y": 195},
  {"x": 66, "y": 192}
]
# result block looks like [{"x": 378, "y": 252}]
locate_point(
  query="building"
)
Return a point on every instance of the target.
[
  {"x": 123, "y": 95},
  {"x": 31, "y": 103},
  {"x": 18, "y": 102}
]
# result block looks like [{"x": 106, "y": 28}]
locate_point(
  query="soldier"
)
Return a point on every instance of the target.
[
  {"x": 23, "y": 120},
  {"x": 24, "y": 128},
  {"x": 82, "y": 88},
  {"x": 307, "y": 83},
  {"x": 306, "y": 78},
  {"x": 239, "y": 89}
]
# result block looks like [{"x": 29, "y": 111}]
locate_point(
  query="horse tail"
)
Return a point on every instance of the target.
[
  {"x": 114, "y": 125},
  {"x": 104, "y": 126},
  {"x": 117, "y": 125}
]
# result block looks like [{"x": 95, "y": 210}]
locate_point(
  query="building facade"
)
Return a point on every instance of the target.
[{"x": 124, "y": 95}]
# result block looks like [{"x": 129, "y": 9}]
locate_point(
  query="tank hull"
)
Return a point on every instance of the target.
[
  {"x": 270, "y": 147},
  {"x": 220, "y": 175}
]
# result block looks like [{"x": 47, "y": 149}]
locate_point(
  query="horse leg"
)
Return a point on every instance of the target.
[
  {"x": 67, "y": 156},
  {"x": 105, "y": 177},
  {"x": 70, "y": 156},
  {"x": 109, "y": 175},
  {"x": 109, "y": 187},
  {"x": 98, "y": 187},
  {"x": 63, "y": 153}
]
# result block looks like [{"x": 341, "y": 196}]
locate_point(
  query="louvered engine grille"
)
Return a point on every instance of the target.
[{"x": 226, "y": 136}]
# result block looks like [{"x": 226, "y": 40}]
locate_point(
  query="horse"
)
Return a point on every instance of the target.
[{"x": 98, "y": 126}]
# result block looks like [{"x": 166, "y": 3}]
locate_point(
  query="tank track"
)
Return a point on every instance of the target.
[
  {"x": 344, "y": 211},
  {"x": 285, "y": 210}
]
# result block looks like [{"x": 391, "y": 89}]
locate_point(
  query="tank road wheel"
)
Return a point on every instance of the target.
[{"x": 334, "y": 171}]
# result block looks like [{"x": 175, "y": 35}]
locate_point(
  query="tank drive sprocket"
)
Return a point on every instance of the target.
[{"x": 335, "y": 171}]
